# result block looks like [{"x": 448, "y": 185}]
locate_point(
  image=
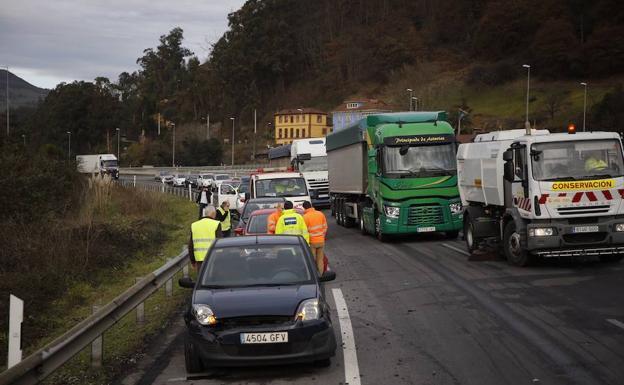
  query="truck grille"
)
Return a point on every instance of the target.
[
  {"x": 585, "y": 237},
  {"x": 425, "y": 215},
  {"x": 322, "y": 186},
  {"x": 583, "y": 210}
]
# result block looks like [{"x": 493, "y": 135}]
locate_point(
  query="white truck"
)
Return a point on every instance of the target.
[
  {"x": 103, "y": 164},
  {"x": 544, "y": 195},
  {"x": 309, "y": 156},
  {"x": 289, "y": 185}
]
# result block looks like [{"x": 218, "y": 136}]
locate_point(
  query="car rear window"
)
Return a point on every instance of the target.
[
  {"x": 257, "y": 224},
  {"x": 253, "y": 206},
  {"x": 256, "y": 266}
]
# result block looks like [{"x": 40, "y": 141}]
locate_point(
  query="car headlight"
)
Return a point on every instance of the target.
[
  {"x": 204, "y": 315},
  {"x": 455, "y": 207},
  {"x": 308, "y": 310},
  {"x": 619, "y": 227},
  {"x": 541, "y": 232},
  {"x": 392, "y": 212}
]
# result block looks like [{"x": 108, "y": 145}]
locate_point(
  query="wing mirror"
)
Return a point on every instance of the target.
[
  {"x": 186, "y": 283},
  {"x": 328, "y": 276},
  {"x": 509, "y": 171},
  {"x": 508, "y": 156}
]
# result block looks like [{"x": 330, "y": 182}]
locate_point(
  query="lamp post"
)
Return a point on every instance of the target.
[
  {"x": 584, "y": 103},
  {"x": 232, "y": 119},
  {"x": 173, "y": 147},
  {"x": 24, "y": 137},
  {"x": 415, "y": 99},
  {"x": 118, "y": 135},
  {"x": 460, "y": 116},
  {"x": 7, "y": 99},
  {"x": 411, "y": 93},
  {"x": 68, "y": 145},
  {"x": 207, "y": 118},
  {"x": 527, "y": 125},
  {"x": 255, "y": 132}
]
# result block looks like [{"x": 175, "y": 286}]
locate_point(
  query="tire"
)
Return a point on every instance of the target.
[
  {"x": 322, "y": 363},
  {"x": 512, "y": 244},
  {"x": 348, "y": 221},
  {"x": 338, "y": 212},
  {"x": 378, "y": 233},
  {"x": 452, "y": 234},
  {"x": 615, "y": 258},
  {"x": 362, "y": 227},
  {"x": 472, "y": 244},
  {"x": 192, "y": 361}
]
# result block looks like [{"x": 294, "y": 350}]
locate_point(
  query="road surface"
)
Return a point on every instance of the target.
[{"x": 422, "y": 313}]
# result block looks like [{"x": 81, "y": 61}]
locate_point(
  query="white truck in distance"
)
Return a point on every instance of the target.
[
  {"x": 309, "y": 156},
  {"x": 546, "y": 195},
  {"x": 102, "y": 164},
  {"x": 289, "y": 185}
]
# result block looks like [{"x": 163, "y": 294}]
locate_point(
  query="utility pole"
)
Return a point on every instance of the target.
[
  {"x": 207, "y": 126},
  {"x": 527, "y": 124},
  {"x": 159, "y": 124},
  {"x": 173, "y": 147},
  {"x": 118, "y": 135},
  {"x": 8, "y": 113},
  {"x": 411, "y": 93},
  {"x": 460, "y": 116},
  {"x": 24, "y": 137},
  {"x": 232, "y": 119},
  {"x": 584, "y": 104},
  {"x": 415, "y": 99},
  {"x": 68, "y": 145},
  {"x": 255, "y": 132}
]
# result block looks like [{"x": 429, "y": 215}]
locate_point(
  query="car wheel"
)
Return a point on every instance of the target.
[
  {"x": 322, "y": 363},
  {"x": 611, "y": 258},
  {"x": 192, "y": 360},
  {"x": 512, "y": 241}
]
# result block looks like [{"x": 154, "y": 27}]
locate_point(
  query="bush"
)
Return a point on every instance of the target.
[{"x": 492, "y": 74}]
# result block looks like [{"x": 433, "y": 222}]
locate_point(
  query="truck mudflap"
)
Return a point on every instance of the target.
[{"x": 580, "y": 252}]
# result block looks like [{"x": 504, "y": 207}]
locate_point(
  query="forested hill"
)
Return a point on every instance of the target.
[{"x": 21, "y": 93}]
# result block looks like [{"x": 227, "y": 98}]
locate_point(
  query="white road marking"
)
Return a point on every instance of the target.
[
  {"x": 456, "y": 249},
  {"x": 616, "y": 323},
  {"x": 352, "y": 370}
]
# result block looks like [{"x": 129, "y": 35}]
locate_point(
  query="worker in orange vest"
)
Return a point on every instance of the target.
[
  {"x": 317, "y": 227},
  {"x": 273, "y": 218}
]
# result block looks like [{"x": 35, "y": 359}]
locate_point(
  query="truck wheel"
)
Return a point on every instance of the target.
[
  {"x": 362, "y": 227},
  {"x": 192, "y": 360},
  {"x": 611, "y": 258},
  {"x": 348, "y": 221},
  {"x": 339, "y": 218},
  {"x": 514, "y": 252},
  {"x": 472, "y": 244},
  {"x": 378, "y": 233}
]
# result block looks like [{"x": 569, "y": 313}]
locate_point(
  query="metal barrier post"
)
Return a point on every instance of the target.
[
  {"x": 97, "y": 347},
  {"x": 190, "y": 193},
  {"x": 185, "y": 271},
  {"x": 169, "y": 284},
  {"x": 140, "y": 309},
  {"x": 16, "y": 316},
  {"x": 134, "y": 181}
]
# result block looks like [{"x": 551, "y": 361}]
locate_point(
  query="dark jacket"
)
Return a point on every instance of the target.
[{"x": 208, "y": 195}]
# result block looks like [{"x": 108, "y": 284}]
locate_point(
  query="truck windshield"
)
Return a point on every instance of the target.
[
  {"x": 577, "y": 160},
  {"x": 282, "y": 187},
  {"x": 109, "y": 163},
  {"x": 420, "y": 161},
  {"x": 318, "y": 163}
]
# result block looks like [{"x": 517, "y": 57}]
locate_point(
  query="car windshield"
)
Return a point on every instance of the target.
[
  {"x": 207, "y": 176},
  {"x": 283, "y": 187},
  {"x": 257, "y": 224},
  {"x": 419, "y": 161},
  {"x": 318, "y": 163},
  {"x": 223, "y": 177},
  {"x": 243, "y": 188},
  {"x": 271, "y": 265},
  {"x": 109, "y": 163},
  {"x": 577, "y": 160},
  {"x": 252, "y": 206}
]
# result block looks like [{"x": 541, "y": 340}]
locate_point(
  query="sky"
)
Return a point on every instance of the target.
[{"x": 46, "y": 42}]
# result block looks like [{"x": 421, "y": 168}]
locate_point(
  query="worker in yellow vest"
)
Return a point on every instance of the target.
[
  {"x": 223, "y": 216},
  {"x": 203, "y": 234},
  {"x": 291, "y": 222}
]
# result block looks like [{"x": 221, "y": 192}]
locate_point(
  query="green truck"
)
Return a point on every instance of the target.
[{"x": 395, "y": 173}]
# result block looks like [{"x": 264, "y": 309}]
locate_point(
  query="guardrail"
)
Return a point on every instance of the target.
[
  {"x": 160, "y": 187},
  {"x": 42, "y": 363},
  {"x": 236, "y": 169}
]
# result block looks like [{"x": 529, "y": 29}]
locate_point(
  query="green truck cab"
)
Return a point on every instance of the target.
[{"x": 395, "y": 173}]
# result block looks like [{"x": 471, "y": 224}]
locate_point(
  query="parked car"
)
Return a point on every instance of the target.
[
  {"x": 257, "y": 223},
  {"x": 242, "y": 189},
  {"x": 191, "y": 180},
  {"x": 158, "y": 177},
  {"x": 179, "y": 181},
  {"x": 220, "y": 178},
  {"x": 258, "y": 300},
  {"x": 253, "y": 205},
  {"x": 205, "y": 180},
  {"x": 164, "y": 177}
]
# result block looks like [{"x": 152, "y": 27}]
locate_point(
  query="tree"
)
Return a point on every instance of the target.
[{"x": 554, "y": 102}]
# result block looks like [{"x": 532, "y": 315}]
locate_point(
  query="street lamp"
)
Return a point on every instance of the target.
[
  {"x": 173, "y": 147},
  {"x": 118, "y": 135},
  {"x": 68, "y": 145},
  {"x": 527, "y": 125},
  {"x": 207, "y": 119},
  {"x": 411, "y": 92},
  {"x": 7, "y": 99},
  {"x": 415, "y": 99},
  {"x": 584, "y": 104},
  {"x": 24, "y": 137},
  {"x": 232, "y": 119},
  {"x": 461, "y": 115}
]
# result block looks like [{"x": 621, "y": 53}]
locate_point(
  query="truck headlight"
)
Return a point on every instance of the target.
[
  {"x": 541, "y": 232},
  {"x": 456, "y": 208},
  {"x": 619, "y": 227},
  {"x": 204, "y": 315},
  {"x": 308, "y": 310},
  {"x": 392, "y": 212}
]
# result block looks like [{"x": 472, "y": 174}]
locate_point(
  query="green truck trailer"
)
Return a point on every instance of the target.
[{"x": 395, "y": 173}]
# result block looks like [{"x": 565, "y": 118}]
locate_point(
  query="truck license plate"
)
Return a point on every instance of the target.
[
  {"x": 264, "y": 338},
  {"x": 426, "y": 229},
  {"x": 585, "y": 229}
]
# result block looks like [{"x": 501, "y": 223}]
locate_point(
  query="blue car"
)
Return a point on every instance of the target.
[{"x": 258, "y": 300}]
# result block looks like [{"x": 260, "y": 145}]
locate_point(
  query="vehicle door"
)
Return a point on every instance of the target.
[{"x": 227, "y": 193}]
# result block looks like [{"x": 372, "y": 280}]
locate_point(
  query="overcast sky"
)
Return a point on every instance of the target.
[{"x": 49, "y": 41}]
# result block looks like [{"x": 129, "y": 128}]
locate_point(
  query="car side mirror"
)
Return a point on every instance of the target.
[
  {"x": 509, "y": 171},
  {"x": 186, "y": 282},
  {"x": 508, "y": 156},
  {"x": 328, "y": 276}
]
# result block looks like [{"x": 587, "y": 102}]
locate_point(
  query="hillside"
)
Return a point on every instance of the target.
[{"x": 21, "y": 93}]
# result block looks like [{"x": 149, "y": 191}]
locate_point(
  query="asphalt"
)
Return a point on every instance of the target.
[{"x": 423, "y": 313}]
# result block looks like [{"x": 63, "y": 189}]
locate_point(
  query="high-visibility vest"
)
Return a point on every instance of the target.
[
  {"x": 292, "y": 222},
  {"x": 204, "y": 232},
  {"x": 225, "y": 224},
  {"x": 317, "y": 225},
  {"x": 272, "y": 221},
  {"x": 595, "y": 164}
]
